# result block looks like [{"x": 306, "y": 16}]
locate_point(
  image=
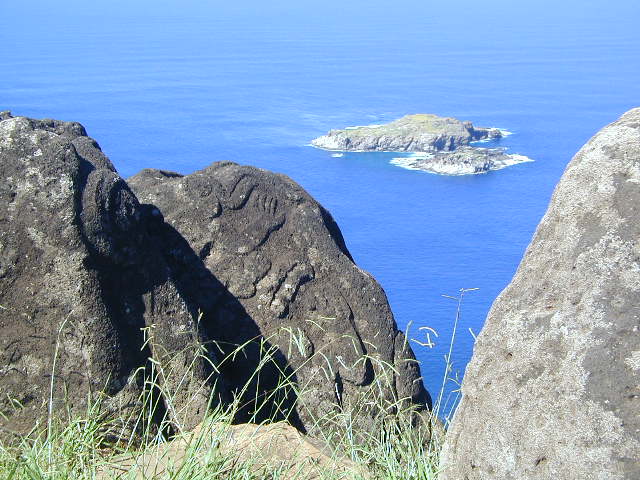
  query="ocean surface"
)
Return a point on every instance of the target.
[{"x": 178, "y": 85}]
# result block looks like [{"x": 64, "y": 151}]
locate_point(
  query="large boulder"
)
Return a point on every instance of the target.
[
  {"x": 289, "y": 282},
  {"x": 246, "y": 293},
  {"x": 553, "y": 388},
  {"x": 86, "y": 298},
  {"x": 275, "y": 450}
]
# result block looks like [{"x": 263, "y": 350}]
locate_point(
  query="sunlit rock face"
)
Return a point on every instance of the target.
[
  {"x": 287, "y": 277},
  {"x": 553, "y": 388},
  {"x": 80, "y": 282}
]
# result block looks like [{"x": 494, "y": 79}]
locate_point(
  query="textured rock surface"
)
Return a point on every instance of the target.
[
  {"x": 462, "y": 161},
  {"x": 553, "y": 389},
  {"x": 97, "y": 290},
  {"x": 79, "y": 279},
  {"x": 286, "y": 274},
  {"x": 411, "y": 133},
  {"x": 264, "y": 449}
]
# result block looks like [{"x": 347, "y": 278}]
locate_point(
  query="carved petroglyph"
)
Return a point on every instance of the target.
[
  {"x": 259, "y": 211},
  {"x": 86, "y": 281},
  {"x": 282, "y": 258},
  {"x": 239, "y": 274},
  {"x": 110, "y": 216},
  {"x": 295, "y": 277},
  {"x": 331, "y": 324},
  {"x": 249, "y": 215}
]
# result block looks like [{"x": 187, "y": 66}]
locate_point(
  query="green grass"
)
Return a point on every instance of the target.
[{"x": 66, "y": 447}]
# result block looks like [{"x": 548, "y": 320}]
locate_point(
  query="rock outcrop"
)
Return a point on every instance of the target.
[
  {"x": 260, "y": 449},
  {"x": 553, "y": 388},
  {"x": 288, "y": 277},
  {"x": 411, "y": 133},
  {"x": 79, "y": 280},
  {"x": 462, "y": 161},
  {"x": 99, "y": 294}
]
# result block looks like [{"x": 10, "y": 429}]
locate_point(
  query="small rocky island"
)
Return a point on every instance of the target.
[
  {"x": 462, "y": 161},
  {"x": 411, "y": 133},
  {"x": 440, "y": 144}
]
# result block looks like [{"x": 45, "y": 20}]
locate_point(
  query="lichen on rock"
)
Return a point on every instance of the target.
[{"x": 553, "y": 388}]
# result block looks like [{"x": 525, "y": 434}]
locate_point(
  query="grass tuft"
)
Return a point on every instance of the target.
[{"x": 400, "y": 443}]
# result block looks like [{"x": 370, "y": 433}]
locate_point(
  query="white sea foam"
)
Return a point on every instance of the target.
[
  {"x": 326, "y": 142},
  {"x": 503, "y": 133},
  {"x": 405, "y": 162},
  {"x": 517, "y": 158}
]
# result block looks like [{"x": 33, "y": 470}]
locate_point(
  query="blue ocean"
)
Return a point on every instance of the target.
[{"x": 179, "y": 84}]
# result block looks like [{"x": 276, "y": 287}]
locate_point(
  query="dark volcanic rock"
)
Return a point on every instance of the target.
[
  {"x": 79, "y": 279},
  {"x": 289, "y": 278},
  {"x": 98, "y": 292},
  {"x": 553, "y": 388}
]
